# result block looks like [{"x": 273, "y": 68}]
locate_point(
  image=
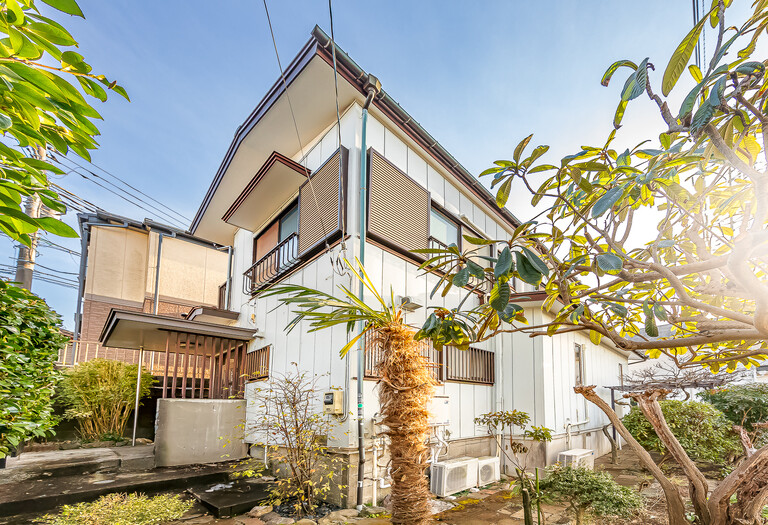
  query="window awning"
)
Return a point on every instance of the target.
[
  {"x": 124, "y": 329},
  {"x": 277, "y": 181}
]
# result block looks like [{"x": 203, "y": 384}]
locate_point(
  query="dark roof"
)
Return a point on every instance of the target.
[{"x": 320, "y": 44}]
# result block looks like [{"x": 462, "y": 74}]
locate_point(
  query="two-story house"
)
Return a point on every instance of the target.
[{"x": 286, "y": 198}]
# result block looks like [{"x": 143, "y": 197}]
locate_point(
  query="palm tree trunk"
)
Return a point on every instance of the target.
[{"x": 405, "y": 388}]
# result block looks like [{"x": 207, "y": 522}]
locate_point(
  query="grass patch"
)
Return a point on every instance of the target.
[{"x": 121, "y": 509}]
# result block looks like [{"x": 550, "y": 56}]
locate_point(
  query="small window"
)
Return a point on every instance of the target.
[
  {"x": 578, "y": 355},
  {"x": 289, "y": 223},
  {"x": 286, "y": 225},
  {"x": 621, "y": 375},
  {"x": 443, "y": 229}
]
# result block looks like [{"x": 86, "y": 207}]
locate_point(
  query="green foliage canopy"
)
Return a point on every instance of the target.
[
  {"x": 702, "y": 430},
  {"x": 29, "y": 346},
  {"x": 42, "y": 107},
  {"x": 745, "y": 405},
  {"x": 703, "y": 270}
]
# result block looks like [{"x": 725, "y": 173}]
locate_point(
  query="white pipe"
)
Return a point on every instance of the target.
[{"x": 375, "y": 472}]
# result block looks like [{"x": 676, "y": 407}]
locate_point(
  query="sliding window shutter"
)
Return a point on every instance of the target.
[
  {"x": 320, "y": 212},
  {"x": 398, "y": 206}
]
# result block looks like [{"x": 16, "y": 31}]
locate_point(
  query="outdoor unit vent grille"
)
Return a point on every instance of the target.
[
  {"x": 487, "y": 470},
  {"x": 450, "y": 477},
  {"x": 398, "y": 206},
  {"x": 577, "y": 457},
  {"x": 328, "y": 189}
]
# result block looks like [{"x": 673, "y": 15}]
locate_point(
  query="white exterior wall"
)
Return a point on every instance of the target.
[{"x": 533, "y": 374}]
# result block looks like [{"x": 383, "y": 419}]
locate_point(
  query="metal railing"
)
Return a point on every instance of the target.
[{"x": 282, "y": 258}]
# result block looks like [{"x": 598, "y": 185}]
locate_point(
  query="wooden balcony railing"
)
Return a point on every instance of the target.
[{"x": 266, "y": 270}]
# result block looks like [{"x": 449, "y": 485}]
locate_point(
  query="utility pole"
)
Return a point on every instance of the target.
[{"x": 25, "y": 262}]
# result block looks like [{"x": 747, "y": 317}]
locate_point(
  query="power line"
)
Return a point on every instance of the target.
[
  {"x": 134, "y": 188},
  {"x": 298, "y": 135},
  {"x": 156, "y": 211},
  {"x": 51, "y": 269}
]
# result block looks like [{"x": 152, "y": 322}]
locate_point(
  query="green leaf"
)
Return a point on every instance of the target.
[
  {"x": 477, "y": 241},
  {"x": 461, "y": 278},
  {"x": 475, "y": 270},
  {"x": 650, "y": 326},
  {"x": 610, "y": 263},
  {"x": 612, "y": 69},
  {"x": 5, "y": 121},
  {"x": 695, "y": 73},
  {"x": 520, "y": 147},
  {"x": 689, "y": 101},
  {"x": 635, "y": 84},
  {"x": 502, "y": 196},
  {"x": 510, "y": 312},
  {"x": 607, "y": 201},
  {"x": 526, "y": 270},
  {"x": 54, "y": 34},
  {"x": 535, "y": 261},
  {"x": 67, "y": 6},
  {"x": 620, "y": 109},
  {"x": 680, "y": 57},
  {"x": 503, "y": 263},
  {"x": 56, "y": 227},
  {"x": 499, "y": 297}
]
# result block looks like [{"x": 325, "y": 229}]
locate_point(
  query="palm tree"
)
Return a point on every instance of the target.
[{"x": 405, "y": 387}]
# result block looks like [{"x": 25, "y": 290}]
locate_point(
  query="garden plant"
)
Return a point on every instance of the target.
[
  {"x": 701, "y": 429},
  {"x": 121, "y": 509},
  {"x": 746, "y": 406},
  {"x": 291, "y": 426},
  {"x": 30, "y": 342},
  {"x": 588, "y": 493},
  {"x": 101, "y": 394}
]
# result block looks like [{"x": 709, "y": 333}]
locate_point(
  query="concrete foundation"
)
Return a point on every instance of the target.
[{"x": 193, "y": 431}]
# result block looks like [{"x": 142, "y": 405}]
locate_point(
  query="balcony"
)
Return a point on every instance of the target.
[{"x": 273, "y": 265}]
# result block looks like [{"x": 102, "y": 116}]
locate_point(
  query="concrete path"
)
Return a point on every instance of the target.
[{"x": 56, "y": 463}]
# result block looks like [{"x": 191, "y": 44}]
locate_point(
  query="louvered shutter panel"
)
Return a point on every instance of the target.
[
  {"x": 398, "y": 206},
  {"x": 325, "y": 203}
]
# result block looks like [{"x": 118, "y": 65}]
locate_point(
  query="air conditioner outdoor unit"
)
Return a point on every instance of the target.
[
  {"x": 487, "y": 470},
  {"x": 577, "y": 457},
  {"x": 452, "y": 476}
]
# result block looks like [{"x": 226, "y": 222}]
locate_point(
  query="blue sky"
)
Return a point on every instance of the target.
[{"x": 478, "y": 76}]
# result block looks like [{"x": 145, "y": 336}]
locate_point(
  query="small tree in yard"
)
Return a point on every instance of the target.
[
  {"x": 29, "y": 346},
  {"x": 589, "y": 493},
  {"x": 405, "y": 387},
  {"x": 291, "y": 426},
  {"x": 101, "y": 395},
  {"x": 703, "y": 271},
  {"x": 702, "y": 430},
  {"x": 518, "y": 450}
]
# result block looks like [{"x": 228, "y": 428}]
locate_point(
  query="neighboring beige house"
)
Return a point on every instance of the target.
[{"x": 122, "y": 271}]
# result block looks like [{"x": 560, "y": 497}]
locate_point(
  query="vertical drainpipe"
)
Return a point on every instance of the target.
[
  {"x": 157, "y": 275},
  {"x": 373, "y": 87}
]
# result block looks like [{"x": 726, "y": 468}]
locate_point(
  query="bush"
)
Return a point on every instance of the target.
[
  {"x": 743, "y": 405},
  {"x": 589, "y": 493},
  {"x": 101, "y": 394},
  {"x": 121, "y": 509},
  {"x": 29, "y": 346},
  {"x": 702, "y": 430},
  {"x": 294, "y": 432}
]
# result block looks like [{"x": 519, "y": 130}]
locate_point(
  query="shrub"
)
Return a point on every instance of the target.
[
  {"x": 702, "y": 430},
  {"x": 743, "y": 405},
  {"x": 589, "y": 493},
  {"x": 101, "y": 394},
  {"x": 294, "y": 432},
  {"x": 122, "y": 509},
  {"x": 29, "y": 346}
]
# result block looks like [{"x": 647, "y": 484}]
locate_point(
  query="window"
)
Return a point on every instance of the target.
[
  {"x": 257, "y": 364},
  {"x": 443, "y": 229},
  {"x": 578, "y": 355},
  {"x": 280, "y": 230},
  {"x": 621, "y": 375},
  {"x": 473, "y": 365}
]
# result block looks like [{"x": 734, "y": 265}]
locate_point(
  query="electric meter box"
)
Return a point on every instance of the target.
[{"x": 333, "y": 403}]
